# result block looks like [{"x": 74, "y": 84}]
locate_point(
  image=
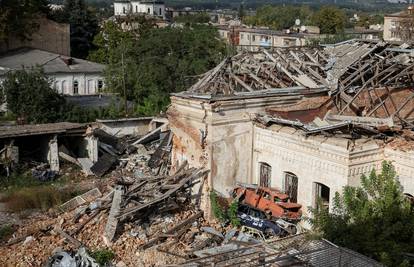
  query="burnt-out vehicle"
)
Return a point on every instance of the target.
[
  {"x": 256, "y": 219},
  {"x": 269, "y": 200}
]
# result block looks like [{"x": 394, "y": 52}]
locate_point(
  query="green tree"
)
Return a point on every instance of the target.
[
  {"x": 83, "y": 26},
  {"x": 152, "y": 62},
  {"x": 168, "y": 58},
  {"x": 30, "y": 97},
  {"x": 17, "y": 17},
  {"x": 331, "y": 20},
  {"x": 279, "y": 17},
  {"x": 375, "y": 219},
  {"x": 193, "y": 19}
]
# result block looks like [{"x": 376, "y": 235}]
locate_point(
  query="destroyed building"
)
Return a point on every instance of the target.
[
  {"x": 46, "y": 143},
  {"x": 306, "y": 120}
]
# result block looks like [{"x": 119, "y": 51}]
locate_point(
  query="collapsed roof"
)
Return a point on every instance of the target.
[
  {"x": 360, "y": 78},
  {"x": 344, "y": 67}
]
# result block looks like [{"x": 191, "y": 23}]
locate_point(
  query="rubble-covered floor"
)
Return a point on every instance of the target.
[{"x": 35, "y": 249}]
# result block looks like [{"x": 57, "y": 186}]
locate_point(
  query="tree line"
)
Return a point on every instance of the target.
[{"x": 330, "y": 19}]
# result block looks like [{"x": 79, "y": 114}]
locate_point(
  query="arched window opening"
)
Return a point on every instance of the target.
[
  {"x": 265, "y": 174},
  {"x": 100, "y": 86},
  {"x": 75, "y": 87},
  {"x": 322, "y": 193},
  {"x": 291, "y": 186}
]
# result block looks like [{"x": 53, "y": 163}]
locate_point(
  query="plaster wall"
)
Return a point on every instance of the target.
[
  {"x": 404, "y": 165},
  {"x": 88, "y": 84},
  {"x": 334, "y": 162},
  {"x": 121, "y": 128},
  {"x": 310, "y": 159},
  {"x": 122, "y": 8},
  {"x": 218, "y": 136}
]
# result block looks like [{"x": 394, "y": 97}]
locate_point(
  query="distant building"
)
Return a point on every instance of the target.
[
  {"x": 69, "y": 76},
  {"x": 128, "y": 7},
  {"x": 398, "y": 27},
  {"x": 172, "y": 13},
  {"x": 253, "y": 39}
]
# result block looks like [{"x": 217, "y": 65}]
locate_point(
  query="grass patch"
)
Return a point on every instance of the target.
[
  {"x": 19, "y": 179},
  {"x": 103, "y": 256},
  {"x": 5, "y": 232},
  {"x": 39, "y": 197}
]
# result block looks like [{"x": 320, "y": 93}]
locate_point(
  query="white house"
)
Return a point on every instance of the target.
[
  {"x": 127, "y": 7},
  {"x": 69, "y": 76}
]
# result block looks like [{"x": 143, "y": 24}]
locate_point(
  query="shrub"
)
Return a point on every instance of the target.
[
  {"x": 5, "y": 231},
  {"x": 103, "y": 256},
  {"x": 232, "y": 213},
  {"x": 222, "y": 213},
  {"x": 216, "y": 207}
]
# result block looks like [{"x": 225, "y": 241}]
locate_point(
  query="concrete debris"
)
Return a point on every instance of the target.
[
  {"x": 105, "y": 162},
  {"x": 86, "y": 164},
  {"x": 69, "y": 158},
  {"x": 81, "y": 200},
  {"x": 112, "y": 222}
]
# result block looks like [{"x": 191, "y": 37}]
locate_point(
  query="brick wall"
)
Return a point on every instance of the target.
[{"x": 51, "y": 36}]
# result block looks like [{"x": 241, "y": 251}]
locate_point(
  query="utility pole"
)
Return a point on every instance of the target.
[{"x": 123, "y": 81}]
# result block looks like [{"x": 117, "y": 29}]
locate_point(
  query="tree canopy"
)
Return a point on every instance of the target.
[
  {"x": 331, "y": 20},
  {"x": 193, "y": 18},
  {"x": 156, "y": 62},
  {"x": 30, "y": 97},
  {"x": 375, "y": 219},
  {"x": 83, "y": 26},
  {"x": 279, "y": 17},
  {"x": 17, "y": 17}
]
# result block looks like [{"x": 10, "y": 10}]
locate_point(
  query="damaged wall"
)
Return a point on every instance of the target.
[
  {"x": 332, "y": 161},
  {"x": 217, "y": 135}
]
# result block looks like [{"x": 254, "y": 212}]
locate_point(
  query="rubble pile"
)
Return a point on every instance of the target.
[
  {"x": 146, "y": 214},
  {"x": 143, "y": 207}
]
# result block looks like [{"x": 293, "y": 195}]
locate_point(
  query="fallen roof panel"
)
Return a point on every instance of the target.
[{"x": 38, "y": 129}]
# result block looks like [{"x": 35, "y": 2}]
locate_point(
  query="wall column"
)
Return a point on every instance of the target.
[
  {"x": 92, "y": 148},
  {"x": 53, "y": 154}
]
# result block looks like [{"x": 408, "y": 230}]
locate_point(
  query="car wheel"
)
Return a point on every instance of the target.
[{"x": 270, "y": 232}]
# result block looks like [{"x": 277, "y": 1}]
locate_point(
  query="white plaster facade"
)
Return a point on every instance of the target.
[
  {"x": 334, "y": 162},
  {"x": 87, "y": 83},
  {"x": 126, "y": 7},
  {"x": 221, "y": 136},
  {"x": 68, "y": 76},
  {"x": 122, "y": 8},
  {"x": 259, "y": 39}
]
